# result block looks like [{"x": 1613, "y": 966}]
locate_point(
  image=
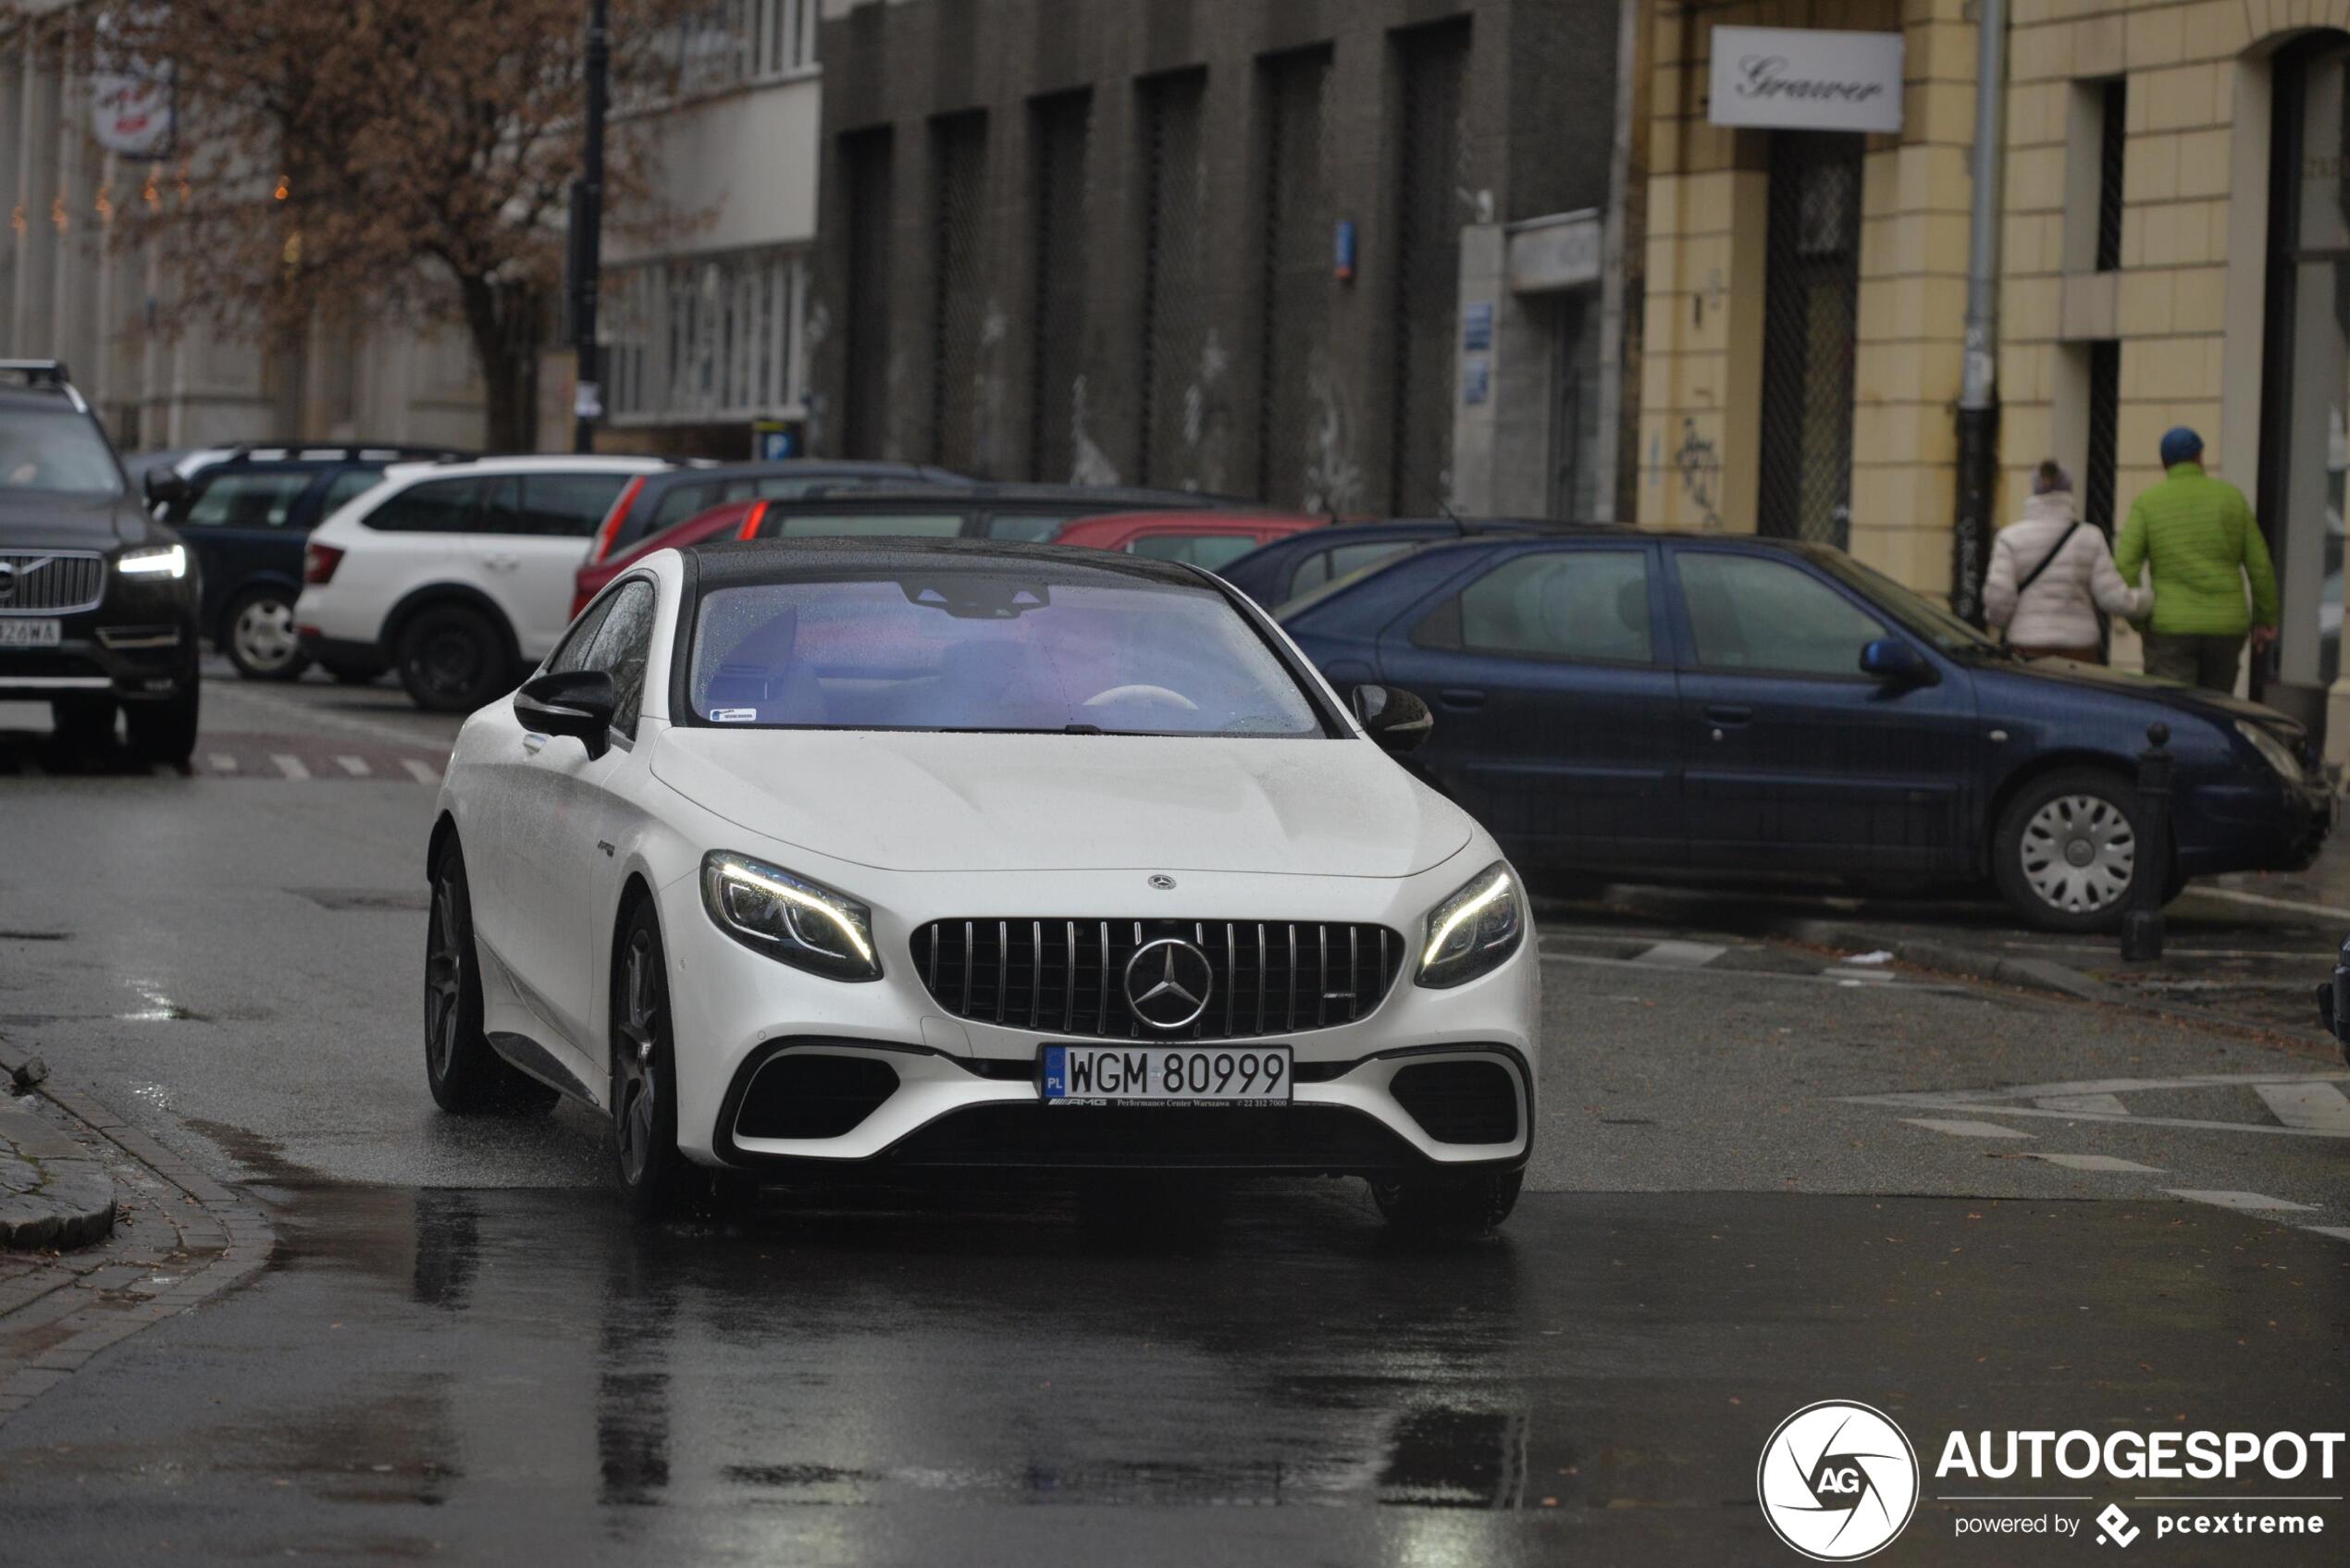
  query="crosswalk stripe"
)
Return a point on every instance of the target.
[
  {"x": 356, "y": 767},
  {"x": 2318, "y": 1105},
  {"x": 222, "y": 762},
  {"x": 291, "y": 767},
  {"x": 2087, "y": 1105},
  {"x": 2339, "y": 1233},
  {"x": 2097, "y": 1162},
  {"x": 1965, "y": 1129},
  {"x": 1680, "y": 955},
  {"x": 421, "y": 772},
  {"x": 2231, "y": 1200}
]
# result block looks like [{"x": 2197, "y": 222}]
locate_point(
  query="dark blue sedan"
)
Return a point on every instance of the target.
[{"x": 1721, "y": 707}]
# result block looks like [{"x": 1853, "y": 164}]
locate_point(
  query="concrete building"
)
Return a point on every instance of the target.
[
  {"x": 2173, "y": 251},
  {"x": 1340, "y": 254},
  {"x": 702, "y": 321}
]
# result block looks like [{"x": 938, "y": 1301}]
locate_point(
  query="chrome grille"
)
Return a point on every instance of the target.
[
  {"x": 50, "y": 582},
  {"x": 1064, "y": 976}
]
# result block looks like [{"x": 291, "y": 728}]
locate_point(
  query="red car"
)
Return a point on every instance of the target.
[
  {"x": 735, "y": 520},
  {"x": 1211, "y": 539}
]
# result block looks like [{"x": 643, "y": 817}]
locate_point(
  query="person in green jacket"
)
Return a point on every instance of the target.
[{"x": 2198, "y": 534}]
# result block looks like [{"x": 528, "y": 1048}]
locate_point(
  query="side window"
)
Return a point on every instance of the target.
[
  {"x": 346, "y": 486},
  {"x": 1033, "y": 526},
  {"x": 862, "y": 525},
  {"x": 681, "y": 502},
  {"x": 572, "y": 652},
  {"x": 1353, "y": 558},
  {"x": 1210, "y": 551},
  {"x": 1584, "y": 604},
  {"x": 250, "y": 501},
  {"x": 1311, "y": 573},
  {"x": 568, "y": 506},
  {"x": 623, "y": 642},
  {"x": 1748, "y": 612},
  {"x": 435, "y": 506},
  {"x": 500, "y": 508}
]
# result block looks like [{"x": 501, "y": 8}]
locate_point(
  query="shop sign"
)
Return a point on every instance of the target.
[{"x": 1800, "y": 78}]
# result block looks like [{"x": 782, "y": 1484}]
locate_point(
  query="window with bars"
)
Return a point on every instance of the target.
[
  {"x": 738, "y": 41},
  {"x": 1174, "y": 276},
  {"x": 2097, "y": 478},
  {"x": 2113, "y": 140},
  {"x": 1294, "y": 334},
  {"x": 959, "y": 284},
  {"x": 866, "y": 158},
  {"x": 707, "y": 337},
  {"x": 1059, "y": 130},
  {"x": 1430, "y": 182}
]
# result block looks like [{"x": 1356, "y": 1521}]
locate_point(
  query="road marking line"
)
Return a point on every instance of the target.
[
  {"x": 419, "y": 772},
  {"x": 354, "y": 766},
  {"x": 1935, "y": 1103},
  {"x": 2264, "y": 901},
  {"x": 1965, "y": 1129},
  {"x": 222, "y": 762},
  {"x": 1678, "y": 954},
  {"x": 2098, "y": 1162},
  {"x": 2307, "y": 1105},
  {"x": 2092, "y": 1104},
  {"x": 289, "y": 766},
  {"x": 1957, "y": 1097},
  {"x": 2228, "y": 1200},
  {"x": 1858, "y": 977},
  {"x": 2339, "y": 1233}
]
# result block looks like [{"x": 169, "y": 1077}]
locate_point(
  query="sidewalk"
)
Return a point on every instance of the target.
[{"x": 51, "y": 1193}]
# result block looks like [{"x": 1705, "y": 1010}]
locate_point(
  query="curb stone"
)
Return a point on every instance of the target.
[
  {"x": 51, "y": 1193},
  {"x": 89, "y": 1301}
]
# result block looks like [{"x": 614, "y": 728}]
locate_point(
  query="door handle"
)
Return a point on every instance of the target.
[
  {"x": 501, "y": 563},
  {"x": 1728, "y": 713},
  {"x": 1463, "y": 698},
  {"x": 534, "y": 743}
]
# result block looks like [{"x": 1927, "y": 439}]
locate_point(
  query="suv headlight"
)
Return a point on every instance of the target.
[
  {"x": 789, "y": 918},
  {"x": 160, "y": 561},
  {"x": 2280, "y": 755},
  {"x": 1474, "y": 931}
]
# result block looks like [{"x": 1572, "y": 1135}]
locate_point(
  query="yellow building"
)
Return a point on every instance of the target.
[{"x": 2175, "y": 224}]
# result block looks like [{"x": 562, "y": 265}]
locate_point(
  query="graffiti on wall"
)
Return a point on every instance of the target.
[{"x": 1699, "y": 462}]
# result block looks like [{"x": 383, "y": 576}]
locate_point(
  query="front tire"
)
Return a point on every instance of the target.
[
  {"x": 1442, "y": 1205},
  {"x": 655, "y": 1178},
  {"x": 466, "y": 1076},
  {"x": 452, "y": 660},
  {"x": 165, "y": 732},
  {"x": 2066, "y": 852},
  {"x": 258, "y": 637}
]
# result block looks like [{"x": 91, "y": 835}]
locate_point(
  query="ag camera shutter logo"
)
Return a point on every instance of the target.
[{"x": 1838, "y": 1481}]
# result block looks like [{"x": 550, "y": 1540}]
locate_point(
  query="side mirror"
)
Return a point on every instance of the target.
[
  {"x": 1396, "y": 720},
  {"x": 165, "y": 486},
  {"x": 1896, "y": 663},
  {"x": 580, "y": 703}
]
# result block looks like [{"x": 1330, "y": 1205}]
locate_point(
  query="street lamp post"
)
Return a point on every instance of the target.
[{"x": 587, "y": 237}]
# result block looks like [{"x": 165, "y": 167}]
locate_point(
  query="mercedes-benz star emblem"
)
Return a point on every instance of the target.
[
  {"x": 1162, "y": 882},
  {"x": 1167, "y": 983}
]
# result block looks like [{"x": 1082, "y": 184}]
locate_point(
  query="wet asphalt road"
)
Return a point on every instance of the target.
[{"x": 1753, "y": 1189}]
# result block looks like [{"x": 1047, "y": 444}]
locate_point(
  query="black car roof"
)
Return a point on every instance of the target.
[{"x": 737, "y": 563}]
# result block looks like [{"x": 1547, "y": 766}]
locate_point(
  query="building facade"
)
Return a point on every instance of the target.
[
  {"x": 2171, "y": 250},
  {"x": 1345, "y": 255},
  {"x": 703, "y": 323}
]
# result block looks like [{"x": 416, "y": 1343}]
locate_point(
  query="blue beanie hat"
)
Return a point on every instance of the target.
[{"x": 2181, "y": 445}]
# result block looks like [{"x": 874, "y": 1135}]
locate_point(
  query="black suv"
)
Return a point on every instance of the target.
[
  {"x": 246, "y": 511},
  {"x": 97, "y": 598}
]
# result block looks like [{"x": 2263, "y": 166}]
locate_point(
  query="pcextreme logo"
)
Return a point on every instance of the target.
[{"x": 1837, "y": 1481}]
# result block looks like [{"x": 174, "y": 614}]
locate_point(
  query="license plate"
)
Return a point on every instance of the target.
[
  {"x": 30, "y": 633},
  {"x": 1167, "y": 1075}
]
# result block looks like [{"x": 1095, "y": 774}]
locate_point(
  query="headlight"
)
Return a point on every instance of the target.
[
  {"x": 163, "y": 561},
  {"x": 803, "y": 923},
  {"x": 2280, "y": 755},
  {"x": 1471, "y": 932}
]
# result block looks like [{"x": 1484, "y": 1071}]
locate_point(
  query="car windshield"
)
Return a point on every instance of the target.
[
  {"x": 57, "y": 450},
  {"x": 999, "y": 648},
  {"x": 1345, "y": 580},
  {"x": 1916, "y": 612}
]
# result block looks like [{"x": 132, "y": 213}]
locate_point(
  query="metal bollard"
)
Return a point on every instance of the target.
[{"x": 2142, "y": 922}]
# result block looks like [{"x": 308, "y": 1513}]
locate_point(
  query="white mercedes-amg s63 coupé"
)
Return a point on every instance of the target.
[{"x": 888, "y": 854}]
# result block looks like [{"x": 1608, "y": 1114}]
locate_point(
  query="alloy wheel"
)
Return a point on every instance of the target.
[
  {"x": 639, "y": 1027},
  {"x": 2078, "y": 853},
  {"x": 444, "y": 976},
  {"x": 263, "y": 635}
]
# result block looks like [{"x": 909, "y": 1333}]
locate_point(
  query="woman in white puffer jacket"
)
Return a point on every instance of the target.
[{"x": 2051, "y": 574}]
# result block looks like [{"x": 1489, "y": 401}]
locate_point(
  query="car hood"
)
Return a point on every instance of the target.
[
  {"x": 2219, "y": 705},
  {"x": 925, "y": 801},
  {"x": 47, "y": 519}
]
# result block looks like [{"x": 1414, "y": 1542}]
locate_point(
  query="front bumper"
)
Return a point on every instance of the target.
[
  {"x": 2263, "y": 826},
  {"x": 136, "y": 648},
  {"x": 960, "y": 1092}
]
